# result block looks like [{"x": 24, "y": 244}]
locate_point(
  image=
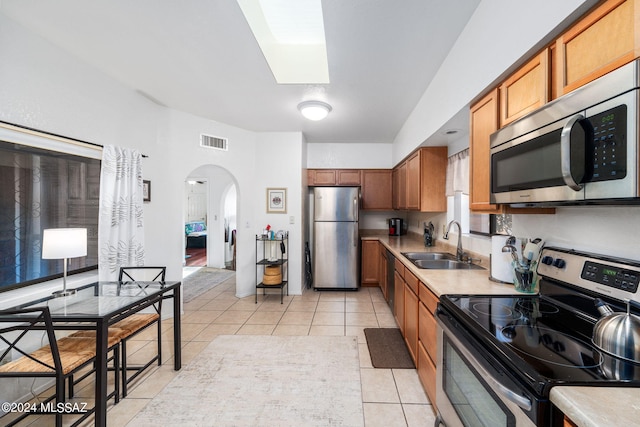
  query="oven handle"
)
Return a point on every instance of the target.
[
  {"x": 565, "y": 153},
  {"x": 506, "y": 392},
  {"x": 521, "y": 401}
]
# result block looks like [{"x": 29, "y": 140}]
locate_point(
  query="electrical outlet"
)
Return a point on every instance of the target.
[{"x": 292, "y": 219}]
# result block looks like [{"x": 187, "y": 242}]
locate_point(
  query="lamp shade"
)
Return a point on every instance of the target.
[
  {"x": 314, "y": 110},
  {"x": 59, "y": 243}
]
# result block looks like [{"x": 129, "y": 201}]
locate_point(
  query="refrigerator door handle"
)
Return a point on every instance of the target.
[
  {"x": 355, "y": 208},
  {"x": 355, "y": 236}
]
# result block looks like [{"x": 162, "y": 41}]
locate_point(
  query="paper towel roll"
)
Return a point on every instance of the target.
[{"x": 501, "y": 269}]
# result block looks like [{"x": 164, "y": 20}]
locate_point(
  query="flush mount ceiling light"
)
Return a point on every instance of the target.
[
  {"x": 291, "y": 37},
  {"x": 314, "y": 110}
]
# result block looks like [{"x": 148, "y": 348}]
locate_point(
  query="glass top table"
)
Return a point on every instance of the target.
[{"x": 100, "y": 304}]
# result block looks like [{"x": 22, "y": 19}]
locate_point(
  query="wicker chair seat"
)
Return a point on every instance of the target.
[
  {"x": 136, "y": 322},
  {"x": 115, "y": 335},
  {"x": 74, "y": 352}
]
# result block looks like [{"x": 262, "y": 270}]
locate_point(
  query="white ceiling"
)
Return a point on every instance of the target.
[{"x": 199, "y": 56}]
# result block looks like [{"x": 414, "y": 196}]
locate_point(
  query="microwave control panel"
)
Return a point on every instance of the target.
[{"x": 609, "y": 144}]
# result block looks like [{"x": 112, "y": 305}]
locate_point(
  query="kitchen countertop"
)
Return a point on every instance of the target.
[
  {"x": 598, "y": 406},
  {"x": 585, "y": 406},
  {"x": 442, "y": 282}
]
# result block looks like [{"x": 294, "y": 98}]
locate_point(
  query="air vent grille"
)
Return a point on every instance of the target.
[{"x": 215, "y": 142}]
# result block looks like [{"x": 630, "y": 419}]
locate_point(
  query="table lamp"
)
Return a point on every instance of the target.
[{"x": 64, "y": 243}]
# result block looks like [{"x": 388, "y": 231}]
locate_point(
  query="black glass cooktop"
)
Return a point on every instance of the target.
[{"x": 544, "y": 342}]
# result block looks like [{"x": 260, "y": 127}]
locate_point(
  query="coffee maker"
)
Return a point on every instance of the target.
[{"x": 396, "y": 226}]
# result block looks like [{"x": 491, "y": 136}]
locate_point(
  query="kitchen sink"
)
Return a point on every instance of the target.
[
  {"x": 438, "y": 261},
  {"x": 428, "y": 256},
  {"x": 445, "y": 264}
]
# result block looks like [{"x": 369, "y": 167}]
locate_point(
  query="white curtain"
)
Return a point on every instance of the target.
[
  {"x": 120, "y": 224},
  {"x": 458, "y": 173}
]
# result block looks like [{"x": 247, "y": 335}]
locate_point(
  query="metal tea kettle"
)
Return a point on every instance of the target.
[{"x": 618, "y": 334}]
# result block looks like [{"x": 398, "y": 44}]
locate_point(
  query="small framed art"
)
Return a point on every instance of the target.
[
  {"x": 276, "y": 200},
  {"x": 146, "y": 191}
]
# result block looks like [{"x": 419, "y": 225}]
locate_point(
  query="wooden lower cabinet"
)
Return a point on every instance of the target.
[
  {"x": 428, "y": 331},
  {"x": 568, "y": 423},
  {"x": 427, "y": 341},
  {"x": 427, "y": 373},
  {"x": 398, "y": 300},
  {"x": 411, "y": 321},
  {"x": 370, "y": 263},
  {"x": 382, "y": 271}
]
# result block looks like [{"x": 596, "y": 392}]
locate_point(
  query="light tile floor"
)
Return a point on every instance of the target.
[{"x": 390, "y": 397}]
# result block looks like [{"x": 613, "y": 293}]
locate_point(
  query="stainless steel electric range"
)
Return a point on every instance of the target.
[{"x": 501, "y": 355}]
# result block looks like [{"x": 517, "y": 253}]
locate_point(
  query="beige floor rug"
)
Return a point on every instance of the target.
[
  {"x": 203, "y": 280},
  {"x": 246, "y": 380}
]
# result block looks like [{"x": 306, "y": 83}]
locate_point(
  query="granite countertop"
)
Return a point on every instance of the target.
[
  {"x": 585, "y": 406},
  {"x": 442, "y": 282}
]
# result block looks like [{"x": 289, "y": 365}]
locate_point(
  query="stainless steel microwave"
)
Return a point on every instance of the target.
[{"x": 581, "y": 148}]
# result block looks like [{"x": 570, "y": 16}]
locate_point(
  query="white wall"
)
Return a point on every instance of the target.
[
  {"x": 610, "y": 230},
  {"x": 45, "y": 88},
  {"x": 279, "y": 165},
  {"x": 349, "y": 156},
  {"x": 498, "y": 34}
]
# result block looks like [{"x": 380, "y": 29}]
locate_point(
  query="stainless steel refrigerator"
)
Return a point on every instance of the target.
[{"x": 336, "y": 243}]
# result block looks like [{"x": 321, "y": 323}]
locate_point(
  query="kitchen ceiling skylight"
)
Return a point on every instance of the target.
[{"x": 291, "y": 36}]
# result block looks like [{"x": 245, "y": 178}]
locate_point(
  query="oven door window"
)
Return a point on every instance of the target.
[{"x": 473, "y": 400}]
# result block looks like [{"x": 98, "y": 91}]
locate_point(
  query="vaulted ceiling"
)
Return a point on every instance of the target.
[{"x": 199, "y": 56}]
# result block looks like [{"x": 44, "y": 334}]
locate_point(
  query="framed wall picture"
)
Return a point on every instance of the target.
[
  {"x": 146, "y": 191},
  {"x": 276, "y": 200}
]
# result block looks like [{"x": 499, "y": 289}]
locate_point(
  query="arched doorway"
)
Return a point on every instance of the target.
[{"x": 211, "y": 203}]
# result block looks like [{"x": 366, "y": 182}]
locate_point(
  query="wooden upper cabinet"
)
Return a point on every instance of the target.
[
  {"x": 400, "y": 186},
  {"x": 413, "y": 181},
  {"x": 419, "y": 181},
  {"x": 484, "y": 122},
  {"x": 603, "y": 40},
  {"x": 334, "y": 177},
  {"x": 433, "y": 178},
  {"x": 525, "y": 90},
  {"x": 322, "y": 176},
  {"x": 348, "y": 177},
  {"x": 377, "y": 189}
]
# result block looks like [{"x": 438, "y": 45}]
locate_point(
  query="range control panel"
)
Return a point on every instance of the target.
[
  {"x": 616, "y": 277},
  {"x": 613, "y": 276}
]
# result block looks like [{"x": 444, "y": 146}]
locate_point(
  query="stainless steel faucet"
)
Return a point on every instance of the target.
[{"x": 459, "y": 251}]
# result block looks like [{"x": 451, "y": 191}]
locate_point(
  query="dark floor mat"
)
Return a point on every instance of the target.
[{"x": 388, "y": 349}]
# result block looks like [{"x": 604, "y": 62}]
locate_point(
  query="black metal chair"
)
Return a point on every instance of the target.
[
  {"x": 28, "y": 342},
  {"x": 138, "y": 322}
]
